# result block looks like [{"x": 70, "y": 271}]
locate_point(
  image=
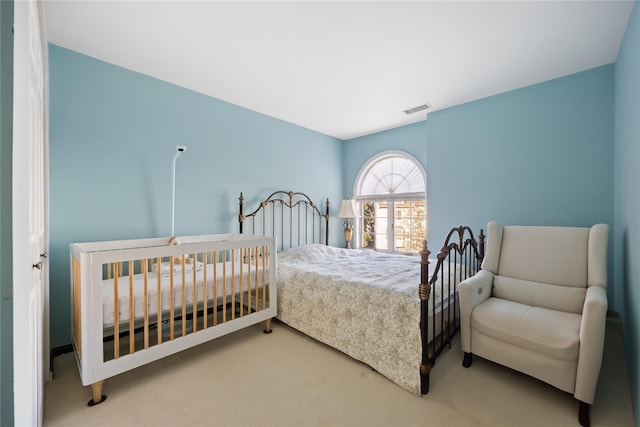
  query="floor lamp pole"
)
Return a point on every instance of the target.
[{"x": 179, "y": 150}]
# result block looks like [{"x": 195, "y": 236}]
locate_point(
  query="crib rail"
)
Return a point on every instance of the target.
[{"x": 136, "y": 302}]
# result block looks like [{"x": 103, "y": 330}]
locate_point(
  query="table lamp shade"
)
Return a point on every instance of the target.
[{"x": 347, "y": 209}]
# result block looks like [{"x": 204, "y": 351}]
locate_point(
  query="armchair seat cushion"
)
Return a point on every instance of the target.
[{"x": 549, "y": 332}]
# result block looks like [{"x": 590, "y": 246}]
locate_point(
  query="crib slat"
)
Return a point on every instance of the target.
[
  {"x": 145, "y": 271},
  {"x": 184, "y": 298},
  {"x": 224, "y": 287},
  {"x": 205, "y": 302},
  {"x": 242, "y": 261},
  {"x": 257, "y": 283},
  {"x": 116, "y": 312},
  {"x": 171, "y": 300},
  {"x": 132, "y": 343},
  {"x": 264, "y": 277},
  {"x": 194, "y": 309},
  {"x": 249, "y": 261},
  {"x": 233, "y": 284},
  {"x": 159, "y": 300}
]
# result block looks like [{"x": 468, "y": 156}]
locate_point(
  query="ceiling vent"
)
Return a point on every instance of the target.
[{"x": 418, "y": 108}]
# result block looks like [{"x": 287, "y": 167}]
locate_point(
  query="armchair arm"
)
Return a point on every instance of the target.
[
  {"x": 592, "y": 332},
  {"x": 473, "y": 291}
]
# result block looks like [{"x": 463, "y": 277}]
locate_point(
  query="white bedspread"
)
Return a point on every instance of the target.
[
  {"x": 362, "y": 302},
  {"x": 393, "y": 272}
]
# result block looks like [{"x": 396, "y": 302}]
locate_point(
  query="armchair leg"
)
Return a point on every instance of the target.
[
  {"x": 583, "y": 414},
  {"x": 466, "y": 362}
]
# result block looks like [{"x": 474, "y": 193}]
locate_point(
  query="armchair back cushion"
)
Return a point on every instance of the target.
[{"x": 532, "y": 265}]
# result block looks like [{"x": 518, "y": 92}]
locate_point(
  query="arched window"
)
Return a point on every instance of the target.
[{"x": 391, "y": 194}]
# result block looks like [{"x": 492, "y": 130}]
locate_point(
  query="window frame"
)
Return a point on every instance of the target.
[{"x": 390, "y": 198}]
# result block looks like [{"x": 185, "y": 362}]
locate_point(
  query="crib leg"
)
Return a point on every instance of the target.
[
  {"x": 98, "y": 397},
  {"x": 267, "y": 326}
]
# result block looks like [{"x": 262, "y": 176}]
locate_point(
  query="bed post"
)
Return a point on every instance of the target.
[
  {"x": 424, "y": 291},
  {"x": 241, "y": 215},
  {"x": 326, "y": 225}
]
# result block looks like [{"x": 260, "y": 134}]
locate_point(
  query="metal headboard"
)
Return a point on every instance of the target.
[{"x": 292, "y": 217}]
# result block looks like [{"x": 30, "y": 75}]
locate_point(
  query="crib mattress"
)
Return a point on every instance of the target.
[{"x": 231, "y": 279}]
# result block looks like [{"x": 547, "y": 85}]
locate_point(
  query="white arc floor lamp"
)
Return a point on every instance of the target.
[{"x": 179, "y": 150}]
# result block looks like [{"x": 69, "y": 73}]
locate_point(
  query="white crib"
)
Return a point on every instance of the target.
[{"x": 136, "y": 301}]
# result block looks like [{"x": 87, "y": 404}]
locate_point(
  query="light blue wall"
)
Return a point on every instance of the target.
[
  {"x": 6, "y": 228},
  {"x": 113, "y": 134},
  {"x": 540, "y": 155},
  {"x": 627, "y": 198}
]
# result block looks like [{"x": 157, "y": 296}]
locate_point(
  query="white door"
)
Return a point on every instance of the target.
[{"x": 29, "y": 198}]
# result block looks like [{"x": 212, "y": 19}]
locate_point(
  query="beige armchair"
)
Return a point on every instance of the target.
[{"x": 539, "y": 305}]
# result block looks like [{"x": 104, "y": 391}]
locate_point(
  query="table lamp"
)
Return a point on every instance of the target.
[{"x": 347, "y": 211}]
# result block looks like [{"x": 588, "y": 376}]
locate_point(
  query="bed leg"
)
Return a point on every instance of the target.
[
  {"x": 466, "y": 362},
  {"x": 98, "y": 397},
  {"x": 425, "y": 371},
  {"x": 267, "y": 327}
]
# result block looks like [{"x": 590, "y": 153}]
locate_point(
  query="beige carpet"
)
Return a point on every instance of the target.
[{"x": 287, "y": 379}]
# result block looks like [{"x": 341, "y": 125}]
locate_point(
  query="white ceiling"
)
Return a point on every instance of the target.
[{"x": 345, "y": 69}]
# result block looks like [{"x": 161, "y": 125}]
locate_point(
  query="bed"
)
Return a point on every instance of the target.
[
  {"x": 396, "y": 313},
  {"x": 136, "y": 301}
]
